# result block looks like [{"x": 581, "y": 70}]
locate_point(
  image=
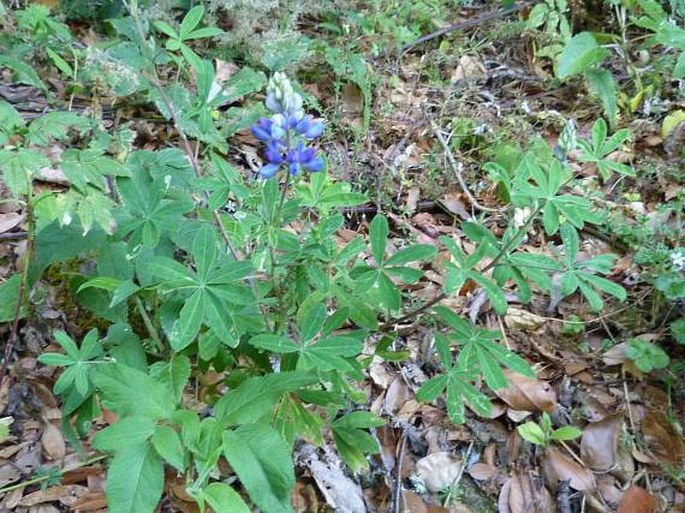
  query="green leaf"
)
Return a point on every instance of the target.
[
  {"x": 24, "y": 73},
  {"x": 262, "y": 460},
  {"x": 432, "y": 389},
  {"x": 56, "y": 126},
  {"x": 359, "y": 420},
  {"x": 129, "y": 391},
  {"x": 388, "y": 293},
  {"x": 126, "y": 431},
  {"x": 191, "y": 20},
  {"x": 68, "y": 344},
  {"x": 168, "y": 445},
  {"x": 378, "y": 233},
  {"x": 257, "y": 396},
  {"x": 56, "y": 359},
  {"x": 174, "y": 373},
  {"x": 602, "y": 83},
  {"x": 566, "y": 433},
  {"x": 311, "y": 321},
  {"x": 165, "y": 29},
  {"x": 221, "y": 497},
  {"x": 275, "y": 343},
  {"x": 135, "y": 479},
  {"x": 571, "y": 242},
  {"x": 18, "y": 167},
  {"x": 492, "y": 372},
  {"x": 413, "y": 253},
  {"x": 532, "y": 433},
  {"x": 189, "y": 321},
  {"x": 580, "y": 54},
  {"x": 203, "y": 33}
]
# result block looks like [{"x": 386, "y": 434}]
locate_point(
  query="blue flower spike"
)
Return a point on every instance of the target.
[{"x": 286, "y": 131}]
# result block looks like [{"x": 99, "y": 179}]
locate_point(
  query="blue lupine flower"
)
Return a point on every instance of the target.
[
  {"x": 309, "y": 128},
  {"x": 262, "y": 129},
  {"x": 303, "y": 157},
  {"x": 269, "y": 170},
  {"x": 273, "y": 152},
  {"x": 285, "y": 130}
]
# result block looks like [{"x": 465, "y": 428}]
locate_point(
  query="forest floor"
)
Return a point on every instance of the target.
[{"x": 438, "y": 110}]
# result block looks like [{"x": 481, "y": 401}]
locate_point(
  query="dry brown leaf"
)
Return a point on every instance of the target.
[
  {"x": 606, "y": 485},
  {"x": 559, "y": 467},
  {"x": 637, "y": 500},
  {"x": 66, "y": 494},
  {"x": 9, "y": 221},
  {"x": 482, "y": 471},
  {"x": 413, "y": 195},
  {"x": 517, "y": 318},
  {"x": 528, "y": 496},
  {"x": 527, "y": 394},
  {"x": 53, "y": 442},
  {"x": 396, "y": 396},
  {"x": 11, "y": 499},
  {"x": 352, "y": 103},
  {"x": 93, "y": 501},
  {"x": 599, "y": 443},
  {"x": 438, "y": 470},
  {"x": 412, "y": 503},
  {"x": 662, "y": 439},
  {"x": 43, "y": 508},
  {"x": 469, "y": 67}
]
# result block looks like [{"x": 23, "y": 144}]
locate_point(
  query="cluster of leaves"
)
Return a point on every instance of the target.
[
  {"x": 585, "y": 53},
  {"x": 197, "y": 267}
]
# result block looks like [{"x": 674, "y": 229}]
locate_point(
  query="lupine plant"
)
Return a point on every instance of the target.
[{"x": 197, "y": 266}]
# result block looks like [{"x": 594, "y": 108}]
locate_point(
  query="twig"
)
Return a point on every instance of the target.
[
  {"x": 12, "y": 339},
  {"x": 457, "y": 479},
  {"x": 462, "y": 24},
  {"x": 455, "y": 168},
  {"x": 415, "y": 312},
  {"x": 398, "y": 478},
  {"x": 40, "y": 479},
  {"x": 13, "y": 235}
]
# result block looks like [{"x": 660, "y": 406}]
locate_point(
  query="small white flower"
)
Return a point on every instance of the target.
[
  {"x": 521, "y": 215},
  {"x": 678, "y": 259}
]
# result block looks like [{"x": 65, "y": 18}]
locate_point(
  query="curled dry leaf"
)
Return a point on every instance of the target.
[
  {"x": 53, "y": 442},
  {"x": 559, "y": 467},
  {"x": 517, "y": 318},
  {"x": 526, "y": 495},
  {"x": 610, "y": 493},
  {"x": 438, "y": 470},
  {"x": 482, "y": 471},
  {"x": 527, "y": 394},
  {"x": 599, "y": 443},
  {"x": 637, "y": 500},
  {"x": 9, "y": 221},
  {"x": 662, "y": 439}
]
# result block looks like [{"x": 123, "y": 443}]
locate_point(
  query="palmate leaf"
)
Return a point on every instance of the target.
[
  {"x": 56, "y": 126},
  {"x": 263, "y": 462},
  {"x": 18, "y": 167}
]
